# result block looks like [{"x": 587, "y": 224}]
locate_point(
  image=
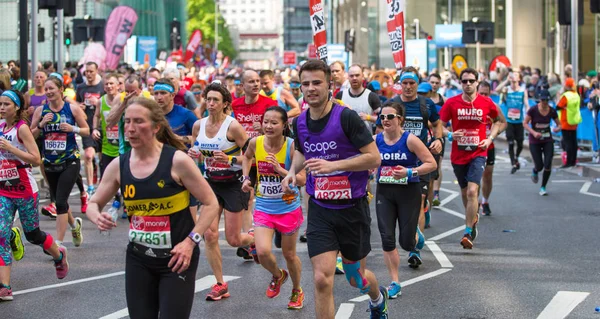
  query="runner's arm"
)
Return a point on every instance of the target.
[
  {"x": 115, "y": 113},
  {"x": 109, "y": 185},
  {"x": 32, "y": 155},
  {"x": 84, "y": 129},
  {"x": 526, "y": 121},
  {"x": 248, "y": 157},
  {"x": 35, "y": 121},
  {"x": 499, "y": 123},
  {"x": 237, "y": 133},
  {"x": 301, "y": 174},
  {"x": 416, "y": 146},
  {"x": 291, "y": 102},
  {"x": 97, "y": 116}
]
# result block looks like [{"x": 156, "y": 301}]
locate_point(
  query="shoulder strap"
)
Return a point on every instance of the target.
[{"x": 424, "y": 110}]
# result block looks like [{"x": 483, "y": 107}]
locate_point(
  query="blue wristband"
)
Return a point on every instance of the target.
[
  {"x": 449, "y": 136},
  {"x": 409, "y": 173}
]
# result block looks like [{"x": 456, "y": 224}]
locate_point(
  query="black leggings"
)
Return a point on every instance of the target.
[
  {"x": 398, "y": 204},
  {"x": 61, "y": 183},
  {"x": 514, "y": 133},
  {"x": 542, "y": 155},
  {"x": 152, "y": 288}
]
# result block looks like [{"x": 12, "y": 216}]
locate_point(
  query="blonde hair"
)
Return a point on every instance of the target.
[
  {"x": 4, "y": 79},
  {"x": 165, "y": 134}
]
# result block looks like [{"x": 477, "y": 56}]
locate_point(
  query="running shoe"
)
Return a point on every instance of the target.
[
  {"x": 467, "y": 241},
  {"x": 277, "y": 239},
  {"x": 62, "y": 266},
  {"x": 49, "y": 210},
  {"x": 84, "y": 202},
  {"x": 394, "y": 290},
  {"x": 244, "y": 252},
  {"x": 515, "y": 168},
  {"x": 543, "y": 191},
  {"x": 474, "y": 231},
  {"x": 414, "y": 259},
  {"x": 486, "y": 209},
  {"x": 436, "y": 200},
  {"x": 534, "y": 177},
  {"x": 218, "y": 292},
  {"x": 16, "y": 244},
  {"x": 253, "y": 248},
  {"x": 421, "y": 242},
  {"x": 5, "y": 293},
  {"x": 296, "y": 300},
  {"x": 380, "y": 312},
  {"x": 339, "y": 267},
  {"x": 276, "y": 283},
  {"x": 303, "y": 238},
  {"x": 76, "y": 232}
]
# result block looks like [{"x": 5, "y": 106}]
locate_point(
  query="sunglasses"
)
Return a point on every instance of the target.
[
  {"x": 388, "y": 117},
  {"x": 468, "y": 81}
]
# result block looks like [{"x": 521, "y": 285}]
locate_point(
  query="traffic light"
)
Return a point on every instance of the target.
[
  {"x": 68, "y": 38},
  {"x": 175, "y": 34},
  {"x": 415, "y": 31},
  {"x": 41, "y": 33},
  {"x": 349, "y": 40}
]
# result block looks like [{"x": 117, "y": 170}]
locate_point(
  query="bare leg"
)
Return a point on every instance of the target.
[
  {"x": 323, "y": 273},
  {"x": 213, "y": 252},
  {"x": 392, "y": 262},
  {"x": 294, "y": 265}
]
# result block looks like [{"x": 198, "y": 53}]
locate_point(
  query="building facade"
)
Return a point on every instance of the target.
[{"x": 297, "y": 33}]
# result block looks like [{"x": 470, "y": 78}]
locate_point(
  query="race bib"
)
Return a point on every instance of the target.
[
  {"x": 414, "y": 125},
  {"x": 151, "y": 231},
  {"x": 271, "y": 189},
  {"x": 333, "y": 188},
  {"x": 469, "y": 141},
  {"x": 9, "y": 171},
  {"x": 544, "y": 131},
  {"x": 386, "y": 176},
  {"x": 112, "y": 134},
  {"x": 514, "y": 114},
  {"x": 55, "y": 142}
]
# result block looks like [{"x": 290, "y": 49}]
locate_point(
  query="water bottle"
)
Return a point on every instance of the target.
[
  {"x": 196, "y": 148},
  {"x": 114, "y": 215}
]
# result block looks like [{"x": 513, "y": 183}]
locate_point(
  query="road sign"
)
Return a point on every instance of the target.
[{"x": 289, "y": 57}]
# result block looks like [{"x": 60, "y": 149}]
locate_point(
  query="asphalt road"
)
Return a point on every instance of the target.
[{"x": 535, "y": 257}]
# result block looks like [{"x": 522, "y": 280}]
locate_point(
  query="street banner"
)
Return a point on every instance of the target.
[
  {"x": 459, "y": 63},
  {"x": 312, "y": 51},
  {"x": 146, "y": 51},
  {"x": 395, "y": 28},
  {"x": 499, "y": 61},
  {"x": 119, "y": 27},
  {"x": 317, "y": 20},
  {"x": 193, "y": 44}
]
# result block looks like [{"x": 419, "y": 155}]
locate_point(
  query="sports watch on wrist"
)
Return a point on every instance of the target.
[{"x": 195, "y": 237}]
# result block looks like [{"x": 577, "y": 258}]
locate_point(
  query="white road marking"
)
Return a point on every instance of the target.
[
  {"x": 409, "y": 282},
  {"x": 448, "y": 233},
  {"x": 562, "y": 304},
  {"x": 453, "y": 195},
  {"x": 439, "y": 254},
  {"x": 502, "y": 158},
  {"x": 585, "y": 189},
  {"x": 451, "y": 212},
  {"x": 568, "y": 181},
  {"x": 68, "y": 283},
  {"x": 221, "y": 229},
  {"x": 201, "y": 284},
  {"x": 345, "y": 311}
]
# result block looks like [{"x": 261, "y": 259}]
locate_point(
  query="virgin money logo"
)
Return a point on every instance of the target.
[
  {"x": 322, "y": 183},
  {"x": 138, "y": 223}
]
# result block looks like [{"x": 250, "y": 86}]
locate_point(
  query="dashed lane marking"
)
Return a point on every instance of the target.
[{"x": 562, "y": 304}]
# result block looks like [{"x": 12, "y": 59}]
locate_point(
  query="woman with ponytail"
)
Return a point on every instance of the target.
[{"x": 19, "y": 190}]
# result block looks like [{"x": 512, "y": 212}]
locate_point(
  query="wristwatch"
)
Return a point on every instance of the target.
[
  {"x": 245, "y": 178},
  {"x": 233, "y": 160},
  {"x": 195, "y": 237}
]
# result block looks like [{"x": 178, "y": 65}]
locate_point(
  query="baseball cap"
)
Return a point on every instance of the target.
[
  {"x": 424, "y": 88},
  {"x": 592, "y": 73},
  {"x": 569, "y": 82},
  {"x": 544, "y": 95},
  {"x": 374, "y": 86}
]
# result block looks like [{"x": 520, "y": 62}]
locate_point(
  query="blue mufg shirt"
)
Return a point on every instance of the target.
[{"x": 394, "y": 155}]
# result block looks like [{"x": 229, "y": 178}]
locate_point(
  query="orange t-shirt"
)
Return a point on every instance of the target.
[{"x": 562, "y": 108}]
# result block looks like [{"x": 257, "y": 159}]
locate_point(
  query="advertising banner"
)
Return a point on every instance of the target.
[{"x": 119, "y": 27}]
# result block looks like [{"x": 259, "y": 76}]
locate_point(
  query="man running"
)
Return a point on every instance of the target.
[
  {"x": 436, "y": 81},
  {"x": 515, "y": 101},
  {"x": 88, "y": 95},
  {"x": 283, "y": 97},
  {"x": 468, "y": 113},
  {"x": 359, "y": 98},
  {"x": 183, "y": 97},
  {"x": 337, "y": 161},
  {"x": 338, "y": 76}
]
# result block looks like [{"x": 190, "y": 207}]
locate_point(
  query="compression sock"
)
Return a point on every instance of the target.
[
  {"x": 468, "y": 230},
  {"x": 545, "y": 177},
  {"x": 59, "y": 258}
]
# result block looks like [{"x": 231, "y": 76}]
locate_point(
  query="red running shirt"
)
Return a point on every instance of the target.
[
  {"x": 247, "y": 114},
  {"x": 472, "y": 119}
]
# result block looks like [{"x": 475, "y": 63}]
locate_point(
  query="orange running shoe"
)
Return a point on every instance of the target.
[
  {"x": 218, "y": 292},
  {"x": 296, "y": 300},
  {"x": 276, "y": 283}
]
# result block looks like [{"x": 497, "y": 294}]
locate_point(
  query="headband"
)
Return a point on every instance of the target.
[
  {"x": 58, "y": 76},
  {"x": 237, "y": 82},
  {"x": 294, "y": 85},
  {"x": 164, "y": 87},
  {"x": 409, "y": 75},
  {"x": 13, "y": 96}
]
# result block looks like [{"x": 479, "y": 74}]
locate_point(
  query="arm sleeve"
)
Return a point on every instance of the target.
[
  {"x": 338, "y": 96},
  {"x": 434, "y": 116},
  {"x": 374, "y": 101},
  {"x": 355, "y": 129},
  {"x": 78, "y": 96},
  {"x": 190, "y": 121},
  {"x": 190, "y": 101}
]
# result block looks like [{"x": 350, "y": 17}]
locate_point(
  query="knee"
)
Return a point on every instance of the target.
[
  {"x": 211, "y": 237},
  {"x": 36, "y": 236},
  {"x": 290, "y": 256},
  {"x": 62, "y": 207},
  {"x": 354, "y": 277},
  {"x": 408, "y": 244},
  {"x": 472, "y": 191},
  {"x": 234, "y": 240},
  {"x": 388, "y": 242},
  {"x": 322, "y": 281}
]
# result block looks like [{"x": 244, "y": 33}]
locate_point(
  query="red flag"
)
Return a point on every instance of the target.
[
  {"x": 193, "y": 44},
  {"x": 395, "y": 27},
  {"x": 317, "y": 20}
]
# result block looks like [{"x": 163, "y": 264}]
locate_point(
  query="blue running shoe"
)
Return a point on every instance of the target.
[
  {"x": 394, "y": 290},
  {"x": 543, "y": 191},
  {"x": 414, "y": 259},
  {"x": 380, "y": 312},
  {"x": 421, "y": 241}
]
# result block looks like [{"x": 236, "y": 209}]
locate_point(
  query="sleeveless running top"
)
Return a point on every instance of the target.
[
  {"x": 270, "y": 197},
  {"x": 218, "y": 171},
  {"x": 394, "y": 155},
  {"x": 59, "y": 146},
  {"x": 16, "y": 177},
  {"x": 110, "y": 135},
  {"x": 158, "y": 207},
  {"x": 276, "y": 96},
  {"x": 513, "y": 107},
  {"x": 36, "y": 100}
]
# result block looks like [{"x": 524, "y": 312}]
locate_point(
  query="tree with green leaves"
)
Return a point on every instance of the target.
[{"x": 201, "y": 16}]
